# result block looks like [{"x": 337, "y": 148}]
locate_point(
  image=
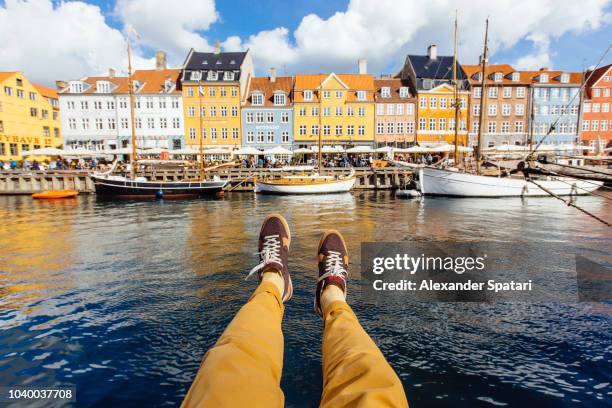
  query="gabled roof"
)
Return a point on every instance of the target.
[
  {"x": 268, "y": 88},
  {"x": 354, "y": 82},
  {"x": 153, "y": 82},
  {"x": 554, "y": 77},
  {"x": 439, "y": 68},
  {"x": 209, "y": 60},
  {"x": 394, "y": 85},
  {"x": 594, "y": 76},
  {"x": 6, "y": 75},
  {"x": 472, "y": 72},
  {"x": 46, "y": 91}
]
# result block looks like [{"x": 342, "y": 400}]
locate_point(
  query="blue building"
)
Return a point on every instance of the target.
[
  {"x": 267, "y": 113},
  {"x": 555, "y": 95}
]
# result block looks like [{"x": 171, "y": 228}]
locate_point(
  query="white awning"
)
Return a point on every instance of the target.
[
  {"x": 278, "y": 151},
  {"x": 217, "y": 150},
  {"x": 45, "y": 151},
  {"x": 246, "y": 151},
  {"x": 360, "y": 149},
  {"x": 303, "y": 150}
]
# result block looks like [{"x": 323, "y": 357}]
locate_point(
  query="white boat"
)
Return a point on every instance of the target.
[
  {"x": 434, "y": 181},
  {"x": 306, "y": 184}
]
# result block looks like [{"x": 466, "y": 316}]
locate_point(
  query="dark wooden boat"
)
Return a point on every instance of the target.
[{"x": 124, "y": 187}]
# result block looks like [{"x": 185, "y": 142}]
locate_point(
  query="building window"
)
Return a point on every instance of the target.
[
  {"x": 361, "y": 95},
  {"x": 222, "y": 91},
  {"x": 400, "y": 127},
  {"x": 33, "y": 112},
  {"x": 477, "y": 92},
  {"x": 492, "y": 109},
  {"x": 285, "y": 137},
  {"x": 475, "y": 126},
  {"x": 399, "y": 108},
  {"x": 492, "y": 127},
  {"x": 249, "y": 117},
  {"x": 302, "y": 112},
  {"x": 250, "y": 136},
  {"x": 326, "y": 111},
  {"x": 20, "y": 93},
  {"x": 314, "y": 129},
  {"x": 338, "y": 94},
  {"x": 442, "y": 123},
  {"x": 403, "y": 92},
  {"x": 361, "y": 111},
  {"x": 124, "y": 123},
  {"x": 224, "y": 111},
  {"x": 234, "y": 111},
  {"x": 8, "y": 90},
  {"x": 213, "y": 111},
  {"x": 302, "y": 130},
  {"x": 137, "y": 123},
  {"x": 476, "y": 109},
  {"x": 350, "y": 130},
  {"x": 498, "y": 77},
  {"x": 284, "y": 117},
  {"x": 150, "y": 123},
  {"x": 594, "y": 125},
  {"x": 433, "y": 103},
  {"x": 410, "y": 108},
  {"x": 422, "y": 102},
  {"x": 2, "y": 128},
  {"x": 279, "y": 99},
  {"x": 163, "y": 123},
  {"x": 519, "y": 109},
  {"x": 422, "y": 124},
  {"x": 361, "y": 130},
  {"x": 390, "y": 109},
  {"x": 385, "y": 92},
  {"x": 314, "y": 111},
  {"x": 338, "y": 110},
  {"x": 518, "y": 126},
  {"x": 493, "y": 92},
  {"x": 326, "y": 94},
  {"x": 270, "y": 117},
  {"x": 257, "y": 98},
  {"x": 213, "y": 133},
  {"x": 380, "y": 109},
  {"x": 506, "y": 109},
  {"x": 326, "y": 130},
  {"x": 432, "y": 124},
  {"x": 380, "y": 128},
  {"x": 338, "y": 130},
  {"x": 307, "y": 95},
  {"x": 409, "y": 127},
  {"x": 191, "y": 111},
  {"x": 505, "y": 127},
  {"x": 259, "y": 117},
  {"x": 507, "y": 92},
  {"x": 390, "y": 128},
  {"x": 176, "y": 123},
  {"x": 72, "y": 124},
  {"x": 112, "y": 124}
]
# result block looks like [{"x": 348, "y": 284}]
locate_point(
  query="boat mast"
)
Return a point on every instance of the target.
[
  {"x": 531, "y": 120},
  {"x": 456, "y": 95},
  {"x": 201, "y": 128},
  {"x": 483, "y": 98},
  {"x": 320, "y": 153},
  {"x": 131, "y": 94}
]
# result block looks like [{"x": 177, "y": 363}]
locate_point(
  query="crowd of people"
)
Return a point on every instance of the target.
[{"x": 51, "y": 165}]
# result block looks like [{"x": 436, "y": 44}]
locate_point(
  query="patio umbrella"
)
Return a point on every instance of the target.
[
  {"x": 278, "y": 151},
  {"x": 184, "y": 151},
  {"x": 82, "y": 152},
  {"x": 45, "y": 151},
  {"x": 360, "y": 149},
  {"x": 303, "y": 150},
  {"x": 246, "y": 151},
  {"x": 216, "y": 150}
]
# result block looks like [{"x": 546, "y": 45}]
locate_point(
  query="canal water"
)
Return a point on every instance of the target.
[{"x": 122, "y": 299}]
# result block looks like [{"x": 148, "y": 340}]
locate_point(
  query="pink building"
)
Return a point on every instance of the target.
[{"x": 395, "y": 115}]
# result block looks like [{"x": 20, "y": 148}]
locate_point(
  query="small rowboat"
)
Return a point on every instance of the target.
[{"x": 52, "y": 194}]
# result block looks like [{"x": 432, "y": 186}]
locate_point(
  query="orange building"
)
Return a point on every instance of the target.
[{"x": 596, "y": 128}]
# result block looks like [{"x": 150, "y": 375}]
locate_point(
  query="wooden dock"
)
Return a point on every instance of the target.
[{"x": 13, "y": 183}]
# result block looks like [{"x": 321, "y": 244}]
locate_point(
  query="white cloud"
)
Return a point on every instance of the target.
[
  {"x": 539, "y": 58},
  {"x": 172, "y": 26}
]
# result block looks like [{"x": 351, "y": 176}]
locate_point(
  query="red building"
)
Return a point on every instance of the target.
[{"x": 596, "y": 128}]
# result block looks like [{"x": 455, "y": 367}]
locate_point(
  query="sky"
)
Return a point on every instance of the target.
[{"x": 59, "y": 40}]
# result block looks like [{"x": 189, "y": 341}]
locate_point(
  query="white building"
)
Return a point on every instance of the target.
[{"x": 96, "y": 110}]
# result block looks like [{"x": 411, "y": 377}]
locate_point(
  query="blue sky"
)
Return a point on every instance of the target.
[{"x": 301, "y": 35}]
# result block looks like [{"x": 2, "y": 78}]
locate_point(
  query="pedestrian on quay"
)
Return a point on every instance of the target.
[{"x": 243, "y": 369}]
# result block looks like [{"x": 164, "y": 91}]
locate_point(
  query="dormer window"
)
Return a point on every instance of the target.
[
  {"x": 565, "y": 78},
  {"x": 257, "y": 98},
  {"x": 477, "y": 76},
  {"x": 233, "y": 62},
  {"x": 385, "y": 92},
  {"x": 76, "y": 87},
  {"x": 218, "y": 62},
  {"x": 427, "y": 84},
  {"x": 279, "y": 99},
  {"x": 135, "y": 86},
  {"x": 228, "y": 76},
  {"x": 543, "y": 78},
  {"x": 498, "y": 77},
  {"x": 168, "y": 85},
  {"x": 403, "y": 92},
  {"x": 102, "y": 87},
  {"x": 196, "y": 75},
  {"x": 308, "y": 95},
  {"x": 205, "y": 62},
  {"x": 516, "y": 76},
  {"x": 212, "y": 76},
  {"x": 361, "y": 95}
]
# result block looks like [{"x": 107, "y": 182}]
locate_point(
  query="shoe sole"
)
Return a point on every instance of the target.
[
  {"x": 286, "y": 225},
  {"x": 327, "y": 233}
]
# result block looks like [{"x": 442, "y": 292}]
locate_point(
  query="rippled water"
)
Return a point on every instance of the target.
[{"x": 122, "y": 299}]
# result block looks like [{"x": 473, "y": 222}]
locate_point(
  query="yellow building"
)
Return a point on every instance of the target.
[
  {"x": 213, "y": 87},
  {"x": 342, "y": 105},
  {"x": 29, "y": 116},
  {"x": 436, "y": 115}
]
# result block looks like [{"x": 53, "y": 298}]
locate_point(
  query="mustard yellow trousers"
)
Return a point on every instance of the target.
[{"x": 244, "y": 368}]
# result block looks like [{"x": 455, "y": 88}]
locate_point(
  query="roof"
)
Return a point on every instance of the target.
[
  {"x": 265, "y": 85},
  {"x": 6, "y": 74},
  {"x": 394, "y": 84},
  {"x": 439, "y": 68},
  {"x": 153, "y": 81},
  {"x": 594, "y": 76},
  {"x": 211, "y": 60},
  {"x": 507, "y": 70},
  {"x": 554, "y": 77},
  {"x": 46, "y": 91},
  {"x": 353, "y": 82}
]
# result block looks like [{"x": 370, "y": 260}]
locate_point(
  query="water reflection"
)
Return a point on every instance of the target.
[{"x": 129, "y": 295}]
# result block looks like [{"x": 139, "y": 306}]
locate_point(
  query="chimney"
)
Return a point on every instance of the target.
[
  {"x": 543, "y": 69},
  {"x": 217, "y": 47},
  {"x": 272, "y": 74},
  {"x": 362, "y": 63},
  {"x": 111, "y": 72},
  {"x": 160, "y": 60},
  {"x": 432, "y": 51}
]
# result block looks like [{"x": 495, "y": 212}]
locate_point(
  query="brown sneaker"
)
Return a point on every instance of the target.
[
  {"x": 333, "y": 265},
  {"x": 273, "y": 250}
]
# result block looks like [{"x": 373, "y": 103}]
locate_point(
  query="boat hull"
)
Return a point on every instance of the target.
[
  {"x": 55, "y": 194},
  {"x": 114, "y": 187},
  {"x": 335, "y": 186},
  {"x": 437, "y": 182}
]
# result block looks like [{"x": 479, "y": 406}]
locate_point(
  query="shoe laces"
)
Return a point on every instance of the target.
[
  {"x": 270, "y": 253},
  {"x": 333, "y": 266}
]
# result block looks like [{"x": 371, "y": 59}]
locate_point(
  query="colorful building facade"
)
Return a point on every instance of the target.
[
  {"x": 506, "y": 114},
  {"x": 596, "y": 126},
  {"x": 267, "y": 114},
  {"x": 29, "y": 116},
  {"x": 555, "y": 102},
  {"x": 96, "y": 110},
  {"x": 395, "y": 114},
  {"x": 340, "y": 106},
  {"x": 431, "y": 76},
  {"x": 214, "y": 85}
]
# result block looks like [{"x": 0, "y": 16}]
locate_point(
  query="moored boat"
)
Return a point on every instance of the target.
[
  {"x": 124, "y": 187},
  {"x": 306, "y": 184},
  {"x": 55, "y": 194},
  {"x": 434, "y": 181}
]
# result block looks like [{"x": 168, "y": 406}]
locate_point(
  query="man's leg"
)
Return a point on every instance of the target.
[
  {"x": 244, "y": 367},
  {"x": 355, "y": 372}
]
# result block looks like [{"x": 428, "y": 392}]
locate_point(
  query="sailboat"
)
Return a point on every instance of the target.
[
  {"x": 315, "y": 183},
  {"x": 110, "y": 185},
  {"x": 455, "y": 183}
]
